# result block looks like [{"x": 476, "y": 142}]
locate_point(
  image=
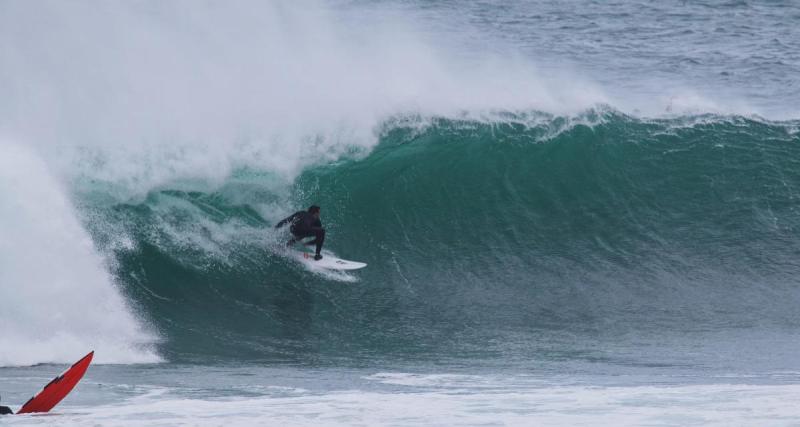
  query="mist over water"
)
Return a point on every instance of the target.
[{"x": 153, "y": 93}]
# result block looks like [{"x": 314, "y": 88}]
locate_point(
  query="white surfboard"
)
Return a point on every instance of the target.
[{"x": 328, "y": 261}]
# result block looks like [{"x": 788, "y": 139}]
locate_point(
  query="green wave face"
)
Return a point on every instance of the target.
[{"x": 499, "y": 241}]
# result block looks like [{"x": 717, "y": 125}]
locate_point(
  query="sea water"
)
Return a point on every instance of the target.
[{"x": 573, "y": 212}]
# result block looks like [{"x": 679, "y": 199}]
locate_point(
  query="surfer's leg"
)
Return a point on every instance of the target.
[{"x": 319, "y": 238}]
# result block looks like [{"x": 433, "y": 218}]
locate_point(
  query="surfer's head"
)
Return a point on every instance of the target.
[{"x": 314, "y": 210}]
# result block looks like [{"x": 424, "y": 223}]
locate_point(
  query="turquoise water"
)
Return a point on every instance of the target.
[
  {"x": 574, "y": 213},
  {"x": 176, "y": 394},
  {"x": 484, "y": 242}
]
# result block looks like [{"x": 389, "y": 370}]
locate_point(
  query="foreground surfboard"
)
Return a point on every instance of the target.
[
  {"x": 329, "y": 262},
  {"x": 57, "y": 389}
]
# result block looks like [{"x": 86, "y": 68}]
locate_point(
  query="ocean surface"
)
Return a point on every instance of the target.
[{"x": 574, "y": 212}]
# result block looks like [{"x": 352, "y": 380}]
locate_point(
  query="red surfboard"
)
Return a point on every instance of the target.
[{"x": 57, "y": 389}]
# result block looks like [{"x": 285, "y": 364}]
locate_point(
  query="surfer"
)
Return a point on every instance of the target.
[
  {"x": 5, "y": 410},
  {"x": 305, "y": 224}
]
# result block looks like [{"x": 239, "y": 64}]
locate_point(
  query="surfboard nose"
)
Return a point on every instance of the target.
[{"x": 57, "y": 389}]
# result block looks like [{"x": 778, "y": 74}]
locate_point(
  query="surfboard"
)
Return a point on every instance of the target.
[
  {"x": 328, "y": 261},
  {"x": 57, "y": 389}
]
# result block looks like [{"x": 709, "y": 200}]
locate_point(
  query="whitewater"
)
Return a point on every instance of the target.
[{"x": 573, "y": 213}]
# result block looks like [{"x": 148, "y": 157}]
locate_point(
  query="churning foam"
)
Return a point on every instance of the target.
[
  {"x": 571, "y": 405},
  {"x": 58, "y": 303}
]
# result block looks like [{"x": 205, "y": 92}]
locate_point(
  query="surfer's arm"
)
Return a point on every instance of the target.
[{"x": 286, "y": 220}]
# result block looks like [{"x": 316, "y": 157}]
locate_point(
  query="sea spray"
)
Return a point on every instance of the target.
[{"x": 59, "y": 301}]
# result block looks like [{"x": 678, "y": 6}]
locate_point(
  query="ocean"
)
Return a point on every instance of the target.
[{"x": 573, "y": 212}]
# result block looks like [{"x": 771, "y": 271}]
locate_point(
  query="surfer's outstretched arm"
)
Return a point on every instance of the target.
[{"x": 286, "y": 220}]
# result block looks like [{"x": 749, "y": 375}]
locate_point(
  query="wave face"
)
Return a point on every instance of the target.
[
  {"x": 482, "y": 239},
  {"x": 118, "y": 104}
]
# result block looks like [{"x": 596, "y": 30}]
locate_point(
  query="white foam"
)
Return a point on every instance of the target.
[
  {"x": 679, "y": 405},
  {"x": 427, "y": 380},
  {"x": 58, "y": 301}
]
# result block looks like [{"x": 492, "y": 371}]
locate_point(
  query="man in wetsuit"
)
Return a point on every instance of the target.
[
  {"x": 306, "y": 224},
  {"x": 5, "y": 410}
]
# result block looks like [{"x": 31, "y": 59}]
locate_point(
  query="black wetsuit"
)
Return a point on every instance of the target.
[
  {"x": 5, "y": 410},
  {"x": 303, "y": 224}
]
